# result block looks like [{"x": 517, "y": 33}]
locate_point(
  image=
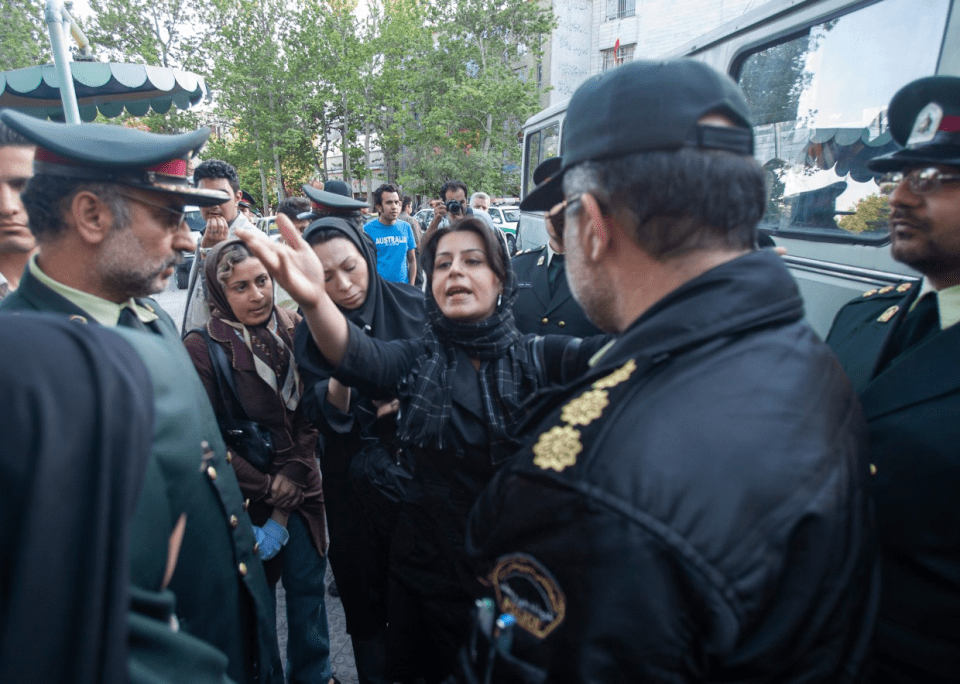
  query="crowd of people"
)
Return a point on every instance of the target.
[{"x": 623, "y": 456}]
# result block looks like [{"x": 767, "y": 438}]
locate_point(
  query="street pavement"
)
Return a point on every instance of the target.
[{"x": 173, "y": 302}]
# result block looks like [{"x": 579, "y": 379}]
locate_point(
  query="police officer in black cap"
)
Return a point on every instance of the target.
[
  {"x": 900, "y": 345},
  {"x": 544, "y": 303},
  {"x": 694, "y": 507},
  {"x": 106, "y": 204}
]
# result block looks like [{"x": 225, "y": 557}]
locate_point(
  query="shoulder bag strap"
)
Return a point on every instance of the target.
[{"x": 221, "y": 371}]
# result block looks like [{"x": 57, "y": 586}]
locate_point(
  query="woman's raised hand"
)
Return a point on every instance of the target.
[{"x": 294, "y": 265}]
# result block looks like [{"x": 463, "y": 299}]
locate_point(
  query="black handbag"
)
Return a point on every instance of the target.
[{"x": 247, "y": 438}]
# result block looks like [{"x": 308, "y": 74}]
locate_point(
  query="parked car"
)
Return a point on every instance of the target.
[
  {"x": 268, "y": 224},
  {"x": 506, "y": 218},
  {"x": 197, "y": 225}
]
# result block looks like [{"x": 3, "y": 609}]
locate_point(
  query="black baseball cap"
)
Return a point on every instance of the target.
[
  {"x": 924, "y": 120},
  {"x": 647, "y": 106},
  {"x": 103, "y": 153}
]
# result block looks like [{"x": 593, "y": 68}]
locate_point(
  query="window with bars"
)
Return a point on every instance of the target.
[
  {"x": 625, "y": 54},
  {"x": 619, "y": 9}
]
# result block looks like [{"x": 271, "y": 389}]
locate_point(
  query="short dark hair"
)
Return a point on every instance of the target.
[
  {"x": 378, "y": 193},
  {"x": 46, "y": 198},
  {"x": 491, "y": 245},
  {"x": 453, "y": 185},
  {"x": 10, "y": 138},
  {"x": 678, "y": 202},
  {"x": 216, "y": 168},
  {"x": 292, "y": 206},
  {"x": 407, "y": 201}
]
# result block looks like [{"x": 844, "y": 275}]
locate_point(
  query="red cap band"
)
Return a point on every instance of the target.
[
  {"x": 950, "y": 124},
  {"x": 174, "y": 167}
]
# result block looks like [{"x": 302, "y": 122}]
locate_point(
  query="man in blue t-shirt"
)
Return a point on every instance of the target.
[{"x": 396, "y": 259}]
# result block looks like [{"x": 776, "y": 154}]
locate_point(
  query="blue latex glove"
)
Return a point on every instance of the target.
[{"x": 275, "y": 536}]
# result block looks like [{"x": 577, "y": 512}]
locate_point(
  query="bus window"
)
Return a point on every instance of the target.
[
  {"x": 819, "y": 104},
  {"x": 541, "y": 145}
]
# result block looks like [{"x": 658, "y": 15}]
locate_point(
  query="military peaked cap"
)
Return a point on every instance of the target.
[
  {"x": 333, "y": 199},
  {"x": 102, "y": 153}
]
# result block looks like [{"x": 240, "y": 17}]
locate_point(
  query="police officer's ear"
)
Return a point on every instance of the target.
[
  {"x": 91, "y": 217},
  {"x": 593, "y": 228}
]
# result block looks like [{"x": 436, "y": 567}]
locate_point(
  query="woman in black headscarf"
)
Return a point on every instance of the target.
[
  {"x": 359, "y": 528},
  {"x": 75, "y": 434},
  {"x": 286, "y": 496},
  {"x": 462, "y": 389}
]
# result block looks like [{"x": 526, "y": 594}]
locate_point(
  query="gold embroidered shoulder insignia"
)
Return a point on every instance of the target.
[
  {"x": 888, "y": 314},
  {"x": 885, "y": 290},
  {"x": 541, "y": 260},
  {"x": 586, "y": 408},
  {"x": 869, "y": 293},
  {"x": 557, "y": 448},
  {"x": 903, "y": 287},
  {"x": 617, "y": 376}
]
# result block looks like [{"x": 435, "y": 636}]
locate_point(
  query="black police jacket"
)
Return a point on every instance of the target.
[
  {"x": 535, "y": 310},
  {"x": 693, "y": 509}
]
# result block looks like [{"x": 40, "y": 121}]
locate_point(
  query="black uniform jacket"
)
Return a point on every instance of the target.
[
  {"x": 221, "y": 590},
  {"x": 694, "y": 508},
  {"x": 535, "y": 312},
  {"x": 913, "y": 409}
]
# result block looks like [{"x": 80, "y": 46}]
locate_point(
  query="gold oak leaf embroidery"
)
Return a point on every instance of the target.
[
  {"x": 617, "y": 376},
  {"x": 557, "y": 448},
  {"x": 586, "y": 408}
]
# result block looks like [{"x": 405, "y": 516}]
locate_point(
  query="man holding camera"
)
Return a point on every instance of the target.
[{"x": 453, "y": 206}]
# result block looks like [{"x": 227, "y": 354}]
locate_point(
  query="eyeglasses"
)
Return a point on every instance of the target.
[
  {"x": 920, "y": 181},
  {"x": 174, "y": 216},
  {"x": 557, "y": 215}
]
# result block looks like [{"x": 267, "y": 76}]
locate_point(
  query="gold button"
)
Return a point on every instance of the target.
[
  {"x": 873, "y": 469},
  {"x": 234, "y": 521},
  {"x": 256, "y": 548},
  {"x": 246, "y": 504},
  {"x": 78, "y": 319},
  {"x": 545, "y": 320},
  {"x": 243, "y": 569},
  {"x": 561, "y": 324},
  {"x": 212, "y": 473},
  {"x": 229, "y": 456}
]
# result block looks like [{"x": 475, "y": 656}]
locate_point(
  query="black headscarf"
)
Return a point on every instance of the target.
[
  {"x": 391, "y": 311},
  {"x": 75, "y": 435},
  {"x": 506, "y": 381}
]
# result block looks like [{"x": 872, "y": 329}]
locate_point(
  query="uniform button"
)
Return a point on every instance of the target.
[
  {"x": 561, "y": 324},
  {"x": 246, "y": 504},
  {"x": 256, "y": 548},
  {"x": 544, "y": 320},
  {"x": 212, "y": 473},
  {"x": 243, "y": 569},
  {"x": 229, "y": 456},
  {"x": 873, "y": 469},
  {"x": 234, "y": 521}
]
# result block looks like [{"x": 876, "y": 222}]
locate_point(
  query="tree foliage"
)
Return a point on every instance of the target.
[
  {"x": 871, "y": 213},
  {"x": 23, "y": 35}
]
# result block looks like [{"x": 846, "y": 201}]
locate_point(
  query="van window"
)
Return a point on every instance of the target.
[
  {"x": 542, "y": 144},
  {"x": 819, "y": 102}
]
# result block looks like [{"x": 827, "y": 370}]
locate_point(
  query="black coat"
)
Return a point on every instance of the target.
[
  {"x": 913, "y": 409},
  {"x": 694, "y": 509},
  {"x": 535, "y": 312}
]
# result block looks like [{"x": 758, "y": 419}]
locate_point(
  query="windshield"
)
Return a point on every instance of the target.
[{"x": 819, "y": 104}]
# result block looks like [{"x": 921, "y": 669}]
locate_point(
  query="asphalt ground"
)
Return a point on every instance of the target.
[{"x": 173, "y": 302}]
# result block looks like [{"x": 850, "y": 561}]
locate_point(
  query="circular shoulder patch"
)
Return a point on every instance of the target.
[{"x": 527, "y": 591}]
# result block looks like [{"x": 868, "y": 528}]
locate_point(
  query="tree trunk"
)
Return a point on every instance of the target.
[{"x": 264, "y": 190}]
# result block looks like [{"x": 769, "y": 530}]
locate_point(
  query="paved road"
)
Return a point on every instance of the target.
[{"x": 341, "y": 650}]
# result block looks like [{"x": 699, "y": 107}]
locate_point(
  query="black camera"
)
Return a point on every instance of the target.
[{"x": 454, "y": 207}]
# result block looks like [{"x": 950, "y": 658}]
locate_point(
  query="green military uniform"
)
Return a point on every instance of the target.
[
  {"x": 222, "y": 596},
  {"x": 222, "y": 593},
  {"x": 535, "y": 310}
]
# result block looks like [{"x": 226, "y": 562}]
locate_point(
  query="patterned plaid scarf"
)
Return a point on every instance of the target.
[{"x": 508, "y": 377}]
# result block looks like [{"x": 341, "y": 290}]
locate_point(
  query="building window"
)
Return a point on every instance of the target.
[
  {"x": 619, "y": 9},
  {"x": 624, "y": 54}
]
